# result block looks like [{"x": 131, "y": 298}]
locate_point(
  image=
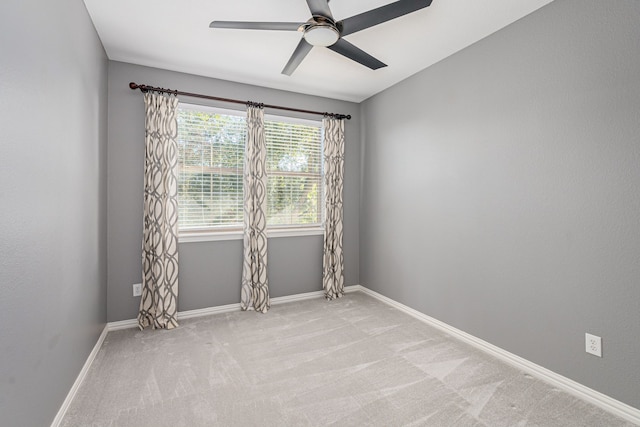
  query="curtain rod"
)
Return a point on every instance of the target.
[{"x": 146, "y": 88}]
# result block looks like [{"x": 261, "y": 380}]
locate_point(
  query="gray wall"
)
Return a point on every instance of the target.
[
  {"x": 210, "y": 271},
  {"x": 53, "y": 116},
  {"x": 501, "y": 191}
]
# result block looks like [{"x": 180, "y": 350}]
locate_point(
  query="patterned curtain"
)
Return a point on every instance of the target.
[
  {"x": 255, "y": 286},
  {"x": 158, "y": 306},
  {"x": 333, "y": 260}
]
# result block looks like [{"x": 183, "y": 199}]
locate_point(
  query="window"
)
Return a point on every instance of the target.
[{"x": 211, "y": 154}]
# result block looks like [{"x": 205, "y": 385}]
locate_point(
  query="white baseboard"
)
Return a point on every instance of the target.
[
  {"x": 583, "y": 392},
  {"x": 190, "y": 314},
  {"x": 76, "y": 385},
  {"x": 122, "y": 324}
]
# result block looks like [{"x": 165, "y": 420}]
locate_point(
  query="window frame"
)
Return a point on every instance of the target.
[{"x": 221, "y": 233}]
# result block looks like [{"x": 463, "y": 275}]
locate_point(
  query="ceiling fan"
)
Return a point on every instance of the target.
[{"x": 322, "y": 30}]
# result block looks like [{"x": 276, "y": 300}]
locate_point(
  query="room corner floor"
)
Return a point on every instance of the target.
[{"x": 351, "y": 362}]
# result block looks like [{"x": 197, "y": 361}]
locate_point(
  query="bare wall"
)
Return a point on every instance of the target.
[
  {"x": 210, "y": 272},
  {"x": 53, "y": 116},
  {"x": 501, "y": 191}
]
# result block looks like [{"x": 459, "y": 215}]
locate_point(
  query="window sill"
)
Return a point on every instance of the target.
[{"x": 212, "y": 236}]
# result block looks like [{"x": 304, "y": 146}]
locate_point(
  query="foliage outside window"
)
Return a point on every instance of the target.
[{"x": 211, "y": 153}]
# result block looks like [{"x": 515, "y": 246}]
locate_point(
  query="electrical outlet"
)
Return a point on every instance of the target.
[
  {"x": 137, "y": 289},
  {"x": 593, "y": 345}
]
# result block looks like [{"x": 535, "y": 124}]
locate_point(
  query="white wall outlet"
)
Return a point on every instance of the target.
[
  {"x": 137, "y": 289},
  {"x": 593, "y": 345}
]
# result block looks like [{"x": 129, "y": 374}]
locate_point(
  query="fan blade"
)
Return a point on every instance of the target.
[
  {"x": 238, "y": 25},
  {"x": 298, "y": 55},
  {"x": 380, "y": 15},
  {"x": 320, "y": 8},
  {"x": 345, "y": 48}
]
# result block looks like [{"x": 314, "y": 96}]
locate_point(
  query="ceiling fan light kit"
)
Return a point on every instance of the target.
[
  {"x": 322, "y": 30},
  {"x": 321, "y": 35}
]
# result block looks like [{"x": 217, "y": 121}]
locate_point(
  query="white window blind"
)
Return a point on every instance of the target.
[
  {"x": 294, "y": 170},
  {"x": 211, "y": 151}
]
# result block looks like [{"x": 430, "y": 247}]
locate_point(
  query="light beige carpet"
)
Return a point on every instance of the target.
[{"x": 350, "y": 362}]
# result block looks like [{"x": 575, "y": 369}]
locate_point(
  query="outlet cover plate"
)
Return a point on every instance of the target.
[
  {"x": 137, "y": 289},
  {"x": 593, "y": 345}
]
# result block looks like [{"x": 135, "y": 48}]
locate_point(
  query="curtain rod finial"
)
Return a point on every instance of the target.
[{"x": 132, "y": 85}]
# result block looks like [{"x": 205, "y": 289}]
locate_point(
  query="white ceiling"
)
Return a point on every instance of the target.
[{"x": 175, "y": 35}]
